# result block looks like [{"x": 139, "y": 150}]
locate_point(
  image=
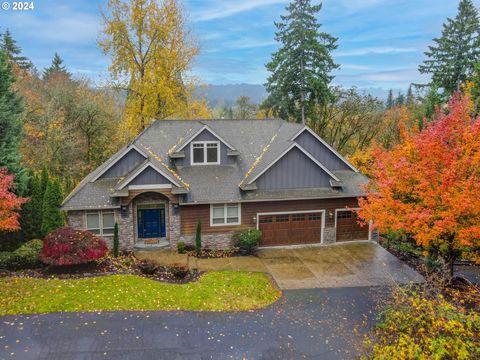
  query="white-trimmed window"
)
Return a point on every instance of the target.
[
  {"x": 101, "y": 222},
  {"x": 205, "y": 152},
  {"x": 225, "y": 214}
]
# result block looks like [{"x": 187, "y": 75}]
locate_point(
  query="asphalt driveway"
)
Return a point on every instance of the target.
[
  {"x": 303, "y": 324},
  {"x": 338, "y": 265}
]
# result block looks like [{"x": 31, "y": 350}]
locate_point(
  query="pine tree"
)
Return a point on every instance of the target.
[
  {"x": 400, "y": 100},
  {"x": 390, "y": 103},
  {"x": 31, "y": 219},
  {"x": 12, "y": 51},
  {"x": 11, "y": 106},
  {"x": 53, "y": 217},
  {"x": 198, "y": 237},
  {"x": 410, "y": 100},
  {"x": 116, "y": 242},
  {"x": 452, "y": 59},
  {"x": 44, "y": 180},
  {"x": 55, "y": 67},
  {"x": 301, "y": 68}
]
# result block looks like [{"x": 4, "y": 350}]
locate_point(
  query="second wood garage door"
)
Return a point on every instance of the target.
[
  {"x": 290, "y": 229},
  {"x": 348, "y": 228}
]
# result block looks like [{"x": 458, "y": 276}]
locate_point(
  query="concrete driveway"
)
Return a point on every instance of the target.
[{"x": 339, "y": 265}]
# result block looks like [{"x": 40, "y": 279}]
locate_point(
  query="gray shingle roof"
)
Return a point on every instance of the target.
[{"x": 258, "y": 143}]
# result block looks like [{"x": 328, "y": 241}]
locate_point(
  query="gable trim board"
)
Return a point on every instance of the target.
[
  {"x": 204, "y": 127},
  {"x": 130, "y": 178},
  {"x": 294, "y": 145},
  {"x": 325, "y": 144},
  {"x": 118, "y": 158}
]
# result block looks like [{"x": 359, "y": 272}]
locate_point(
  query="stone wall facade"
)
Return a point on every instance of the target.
[
  {"x": 216, "y": 241},
  {"x": 329, "y": 235}
]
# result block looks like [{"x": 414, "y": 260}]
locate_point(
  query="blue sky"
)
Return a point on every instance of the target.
[{"x": 381, "y": 42}]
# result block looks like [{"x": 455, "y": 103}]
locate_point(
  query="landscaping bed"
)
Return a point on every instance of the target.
[{"x": 213, "y": 291}]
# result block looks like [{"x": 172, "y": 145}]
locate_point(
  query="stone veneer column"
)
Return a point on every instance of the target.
[
  {"x": 174, "y": 225},
  {"x": 126, "y": 228},
  {"x": 329, "y": 235}
]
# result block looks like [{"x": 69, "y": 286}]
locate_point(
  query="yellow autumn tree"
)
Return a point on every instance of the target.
[{"x": 152, "y": 50}]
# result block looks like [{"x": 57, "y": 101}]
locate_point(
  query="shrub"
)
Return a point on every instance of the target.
[
  {"x": 417, "y": 327},
  {"x": 181, "y": 247},
  {"x": 198, "y": 237},
  {"x": 25, "y": 257},
  {"x": 148, "y": 267},
  {"x": 66, "y": 246},
  {"x": 179, "y": 271},
  {"x": 116, "y": 241},
  {"x": 247, "y": 240}
]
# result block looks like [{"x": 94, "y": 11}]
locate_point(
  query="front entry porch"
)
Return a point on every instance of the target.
[{"x": 151, "y": 221}]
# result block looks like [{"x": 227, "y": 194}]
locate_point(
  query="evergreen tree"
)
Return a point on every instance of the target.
[
  {"x": 452, "y": 59},
  {"x": 300, "y": 69},
  {"x": 55, "y": 67},
  {"x": 53, "y": 217},
  {"x": 390, "y": 103},
  {"x": 11, "y": 107},
  {"x": 31, "y": 219},
  {"x": 410, "y": 100},
  {"x": 198, "y": 237},
  {"x": 116, "y": 241},
  {"x": 400, "y": 100},
  {"x": 12, "y": 51},
  {"x": 44, "y": 180}
]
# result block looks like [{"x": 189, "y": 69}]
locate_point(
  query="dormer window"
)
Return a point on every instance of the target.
[{"x": 205, "y": 153}]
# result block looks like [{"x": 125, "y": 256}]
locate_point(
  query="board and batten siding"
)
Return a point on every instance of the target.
[
  {"x": 320, "y": 152},
  {"x": 294, "y": 170},
  {"x": 205, "y": 135},
  {"x": 190, "y": 214},
  {"x": 149, "y": 176},
  {"x": 123, "y": 166}
]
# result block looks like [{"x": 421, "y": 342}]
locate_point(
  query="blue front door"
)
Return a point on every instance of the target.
[{"x": 151, "y": 223}]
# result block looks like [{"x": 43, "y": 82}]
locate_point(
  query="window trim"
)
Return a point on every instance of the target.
[
  {"x": 204, "y": 143},
  {"x": 225, "y": 223},
  {"x": 100, "y": 221}
]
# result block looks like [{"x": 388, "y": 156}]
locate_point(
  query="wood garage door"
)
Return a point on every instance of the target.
[
  {"x": 290, "y": 229},
  {"x": 348, "y": 228}
]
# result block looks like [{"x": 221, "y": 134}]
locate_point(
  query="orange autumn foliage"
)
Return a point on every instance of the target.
[
  {"x": 9, "y": 203},
  {"x": 429, "y": 184}
]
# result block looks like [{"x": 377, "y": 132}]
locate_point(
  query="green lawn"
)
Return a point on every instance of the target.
[{"x": 214, "y": 291}]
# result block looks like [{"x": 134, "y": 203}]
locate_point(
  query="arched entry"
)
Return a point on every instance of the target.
[{"x": 150, "y": 211}]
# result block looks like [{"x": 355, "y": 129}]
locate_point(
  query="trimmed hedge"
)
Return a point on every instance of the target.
[{"x": 25, "y": 257}]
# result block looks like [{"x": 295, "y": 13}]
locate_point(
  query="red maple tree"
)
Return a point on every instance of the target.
[
  {"x": 10, "y": 204},
  {"x": 429, "y": 185}
]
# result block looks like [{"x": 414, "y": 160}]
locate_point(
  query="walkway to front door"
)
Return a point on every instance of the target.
[{"x": 151, "y": 223}]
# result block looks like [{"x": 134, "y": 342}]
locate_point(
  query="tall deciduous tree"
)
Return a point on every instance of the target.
[
  {"x": 429, "y": 185},
  {"x": 11, "y": 107},
  {"x": 452, "y": 59},
  {"x": 13, "y": 52},
  {"x": 301, "y": 68},
  {"x": 152, "y": 50},
  {"x": 53, "y": 217},
  {"x": 10, "y": 204}
]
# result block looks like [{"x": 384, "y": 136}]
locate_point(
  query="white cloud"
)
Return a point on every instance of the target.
[
  {"x": 224, "y": 9},
  {"x": 249, "y": 43},
  {"x": 375, "y": 50}
]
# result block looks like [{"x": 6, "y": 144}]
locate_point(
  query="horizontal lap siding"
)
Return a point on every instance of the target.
[{"x": 190, "y": 214}]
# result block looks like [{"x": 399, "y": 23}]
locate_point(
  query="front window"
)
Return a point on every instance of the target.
[
  {"x": 225, "y": 214},
  {"x": 101, "y": 222},
  {"x": 205, "y": 152}
]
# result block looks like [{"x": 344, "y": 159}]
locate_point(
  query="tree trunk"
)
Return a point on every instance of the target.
[{"x": 302, "y": 94}]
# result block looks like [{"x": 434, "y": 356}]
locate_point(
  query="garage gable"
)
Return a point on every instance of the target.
[
  {"x": 323, "y": 152},
  {"x": 295, "y": 169}
]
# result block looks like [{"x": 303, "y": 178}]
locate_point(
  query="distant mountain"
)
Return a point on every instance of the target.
[{"x": 225, "y": 95}]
